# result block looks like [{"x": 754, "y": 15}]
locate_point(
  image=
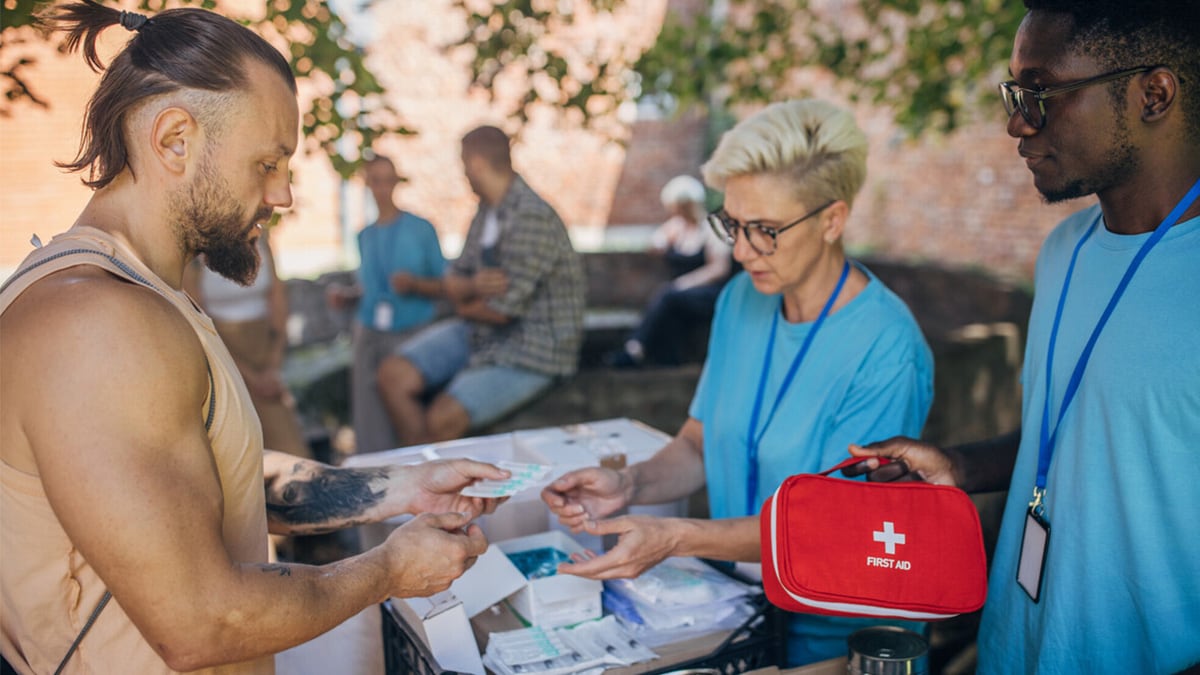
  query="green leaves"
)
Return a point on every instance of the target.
[
  {"x": 932, "y": 62},
  {"x": 348, "y": 110},
  {"x": 563, "y": 53}
]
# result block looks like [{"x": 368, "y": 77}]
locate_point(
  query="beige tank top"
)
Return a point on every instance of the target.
[{"x": 48, "y": 589}]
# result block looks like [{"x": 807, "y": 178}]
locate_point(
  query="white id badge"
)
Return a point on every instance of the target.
[
  {"x": 1032, "y": 564},
  {"x": 383, "y": 316}
]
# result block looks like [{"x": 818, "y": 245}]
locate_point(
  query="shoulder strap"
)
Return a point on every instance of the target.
[
  {"x": 120, "y": 264},
  {"x": 212, "y": 399},
  {"x": 86, "y": 627},
  {"x": 212, "y": 409},
  {"x": 133, "y": 275}
]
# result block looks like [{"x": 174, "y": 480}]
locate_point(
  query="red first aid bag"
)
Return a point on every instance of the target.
[{"x": 906, "y": 550}]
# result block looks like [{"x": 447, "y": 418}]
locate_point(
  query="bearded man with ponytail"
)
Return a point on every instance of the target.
[{"x": 135, "y": 491}]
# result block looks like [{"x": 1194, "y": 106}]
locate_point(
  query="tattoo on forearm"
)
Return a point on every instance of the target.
[
  {"x": 281, "y": 570},
  {"x": 329, "y": 495}
]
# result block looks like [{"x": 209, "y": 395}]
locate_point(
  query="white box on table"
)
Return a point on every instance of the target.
[
  {"x": 559, "y": 600},
  {"x": 441, "y": 622}
]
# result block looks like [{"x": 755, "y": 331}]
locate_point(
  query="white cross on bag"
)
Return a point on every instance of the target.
[{"x": 889, "y": 537}]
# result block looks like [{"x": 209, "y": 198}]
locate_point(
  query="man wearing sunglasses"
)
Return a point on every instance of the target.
[{"x": 1097, "y": 566}]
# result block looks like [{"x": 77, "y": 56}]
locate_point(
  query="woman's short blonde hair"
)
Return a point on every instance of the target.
[{"x": 815, "y": 144}]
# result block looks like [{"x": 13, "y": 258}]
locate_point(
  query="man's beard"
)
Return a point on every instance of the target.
[
  {"x": 213, "y": 226},
  {"x": 1120, "y": 163}
]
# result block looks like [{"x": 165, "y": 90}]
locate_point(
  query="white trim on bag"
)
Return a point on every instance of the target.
[{"x": 836, "y": 606}]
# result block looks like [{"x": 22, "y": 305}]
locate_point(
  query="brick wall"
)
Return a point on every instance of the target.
[
  {"x": 658, "y": 150},
  {"x": 965, "y": 199}
]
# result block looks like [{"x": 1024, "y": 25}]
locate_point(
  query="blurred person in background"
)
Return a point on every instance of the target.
[
  {"x": 399, "y": 282},
  {"x": 699, "y": 263},
  {"x": 518, "y": 292}
]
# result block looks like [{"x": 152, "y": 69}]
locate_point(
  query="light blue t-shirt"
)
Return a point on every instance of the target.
[
  {"x": 868, "y": 376},
  {"x": 1121, "y": 587},
  {"x": 406, "y": 244}
]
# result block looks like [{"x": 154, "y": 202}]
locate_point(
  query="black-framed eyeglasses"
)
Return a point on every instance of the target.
[
  {"x": 1014, "y": 96},
  {"x": 760, "y": 237}
]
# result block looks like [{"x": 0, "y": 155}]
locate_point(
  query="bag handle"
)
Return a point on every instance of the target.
[{"x": 850, "y": 461}]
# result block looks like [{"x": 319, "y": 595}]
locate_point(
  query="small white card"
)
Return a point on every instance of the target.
[
  {"x": 1032, "y": 563},
  {"x": 383, "y": 316},
  {"x": 524, "y": 476}
]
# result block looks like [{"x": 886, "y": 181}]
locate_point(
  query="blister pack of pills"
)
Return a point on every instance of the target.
[{"x": 524, "y": 476}]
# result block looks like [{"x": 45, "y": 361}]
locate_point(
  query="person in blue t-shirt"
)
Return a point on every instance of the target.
[
  {"x": 808, "y": 353},
  {"x": 399, "y": 281},
  {"x": 1097, "y": 565}
]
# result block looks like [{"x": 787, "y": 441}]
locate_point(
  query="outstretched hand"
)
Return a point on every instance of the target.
[
  {"x": 642, "y": 543},
  {"x": 913, "y": 460},
  {"x": 585, "y": 494}
]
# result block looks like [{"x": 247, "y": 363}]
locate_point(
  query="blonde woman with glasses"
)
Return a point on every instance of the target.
[{"x": 809, "y": 352}]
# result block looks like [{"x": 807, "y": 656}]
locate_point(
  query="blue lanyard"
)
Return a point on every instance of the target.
[
  {"x": 1048, "y": 436},
  {"x": 752, "y": 479}
]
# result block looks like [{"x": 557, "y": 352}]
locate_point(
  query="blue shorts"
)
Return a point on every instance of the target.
[{"x": 441, "y": 353}]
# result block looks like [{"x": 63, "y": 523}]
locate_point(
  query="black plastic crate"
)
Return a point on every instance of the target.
[
  {"x": 403, "y": 650},
  {"x": 760, "y": 641}
]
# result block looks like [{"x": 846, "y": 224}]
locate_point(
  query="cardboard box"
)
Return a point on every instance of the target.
[
  {"x": 559, "y": 600},
  {"x": 441, "y": 622}
]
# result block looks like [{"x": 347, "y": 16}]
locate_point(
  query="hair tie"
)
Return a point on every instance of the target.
[{"x": 133, "y": 21}]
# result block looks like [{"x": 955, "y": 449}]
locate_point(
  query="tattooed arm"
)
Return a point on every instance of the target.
[
  {"x": 307, "y": 497},
  {"x": 141, "y": 498}
]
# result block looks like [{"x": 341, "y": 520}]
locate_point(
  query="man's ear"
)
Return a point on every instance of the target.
[
  {"x": 175, "y": 140},
  {"x": 1160, "y": 90},
  {"x": 833, "y": 221}
]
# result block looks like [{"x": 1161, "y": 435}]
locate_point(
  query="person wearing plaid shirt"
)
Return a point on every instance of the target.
[{"x": 518, "y": 291}]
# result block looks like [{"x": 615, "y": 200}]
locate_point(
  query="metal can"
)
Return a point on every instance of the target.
[{"x": 887, "y": 650}]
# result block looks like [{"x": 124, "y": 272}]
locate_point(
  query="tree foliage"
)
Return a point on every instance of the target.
[
  {"x": 571, "y": 56},
  {"x": 347, "y": 110},
  {"x": 930, "y": 61}
]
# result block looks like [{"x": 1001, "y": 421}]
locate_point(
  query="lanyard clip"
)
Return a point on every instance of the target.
[{"x": 1036, "y": 506}]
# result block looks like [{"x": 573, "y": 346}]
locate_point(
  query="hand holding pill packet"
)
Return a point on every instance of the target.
[{"x": 524, "y": 476}]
